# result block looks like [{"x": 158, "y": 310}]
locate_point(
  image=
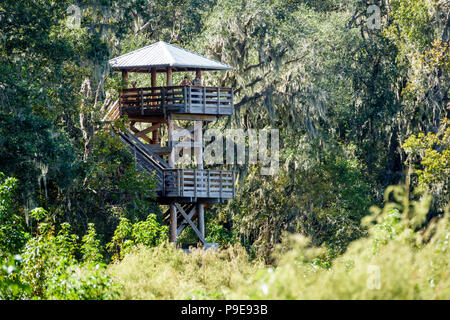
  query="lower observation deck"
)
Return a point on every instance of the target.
[
  {"x": 160, "y": 101},
  {"x": 181, "y": 185}
]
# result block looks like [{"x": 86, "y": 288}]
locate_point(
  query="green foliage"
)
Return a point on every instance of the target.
[
  {"x": 148, "y": 233},
  {"x": 323, "y": 199},
  {"x": 109, "y": 188},
  {"x": 430, "y": 157},
  {"x": 11, "y": 288},
  {"x": 91, "y": 246},
  {"x": 217, "y": 233},
  {"x": 51, "y": 270},
  {"x": 12, "y": 232}
]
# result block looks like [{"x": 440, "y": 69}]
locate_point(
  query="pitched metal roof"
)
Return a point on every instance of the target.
[{"x": 161, "y": 55}]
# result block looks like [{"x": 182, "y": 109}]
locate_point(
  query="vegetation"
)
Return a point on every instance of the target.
[{"x": 359, "y": 207}]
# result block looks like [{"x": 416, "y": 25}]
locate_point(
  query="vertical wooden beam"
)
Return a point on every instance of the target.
[
  {"x": 169, "y": 77},
  {"x": 125, "y": 79},
  {"x": 153, "y": 77},
  {"x": 155, "y": 133},
  {"x": 173, "y": 224},
  {"x": 201, "y": 218},
  {"x": 198, "y": 147},
  {"x": 198, "y": 73},
  {"x": 169, "y": 92},
  {"x": 155, "y": 136}
]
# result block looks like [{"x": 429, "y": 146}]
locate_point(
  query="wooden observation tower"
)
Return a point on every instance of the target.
[{"x": 185, "y": 190}]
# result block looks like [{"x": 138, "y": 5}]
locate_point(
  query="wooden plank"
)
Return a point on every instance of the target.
[{"x": 192, "y": 117}]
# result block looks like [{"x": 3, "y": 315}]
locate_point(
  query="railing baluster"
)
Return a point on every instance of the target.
[
  {"x": 179, "y": 186},
  {"x": 232, "y": 99},
  {"x": 233, "y": 182},
  {"x": 209, "y": 183},
  {"x": 120, "y": 104},
  {"x": 218, "y": 100},
  {"x": 220, "y": 184},
  {"x": 190, "y": 99},
  {"x": 164, "y": 183},
  {"x": 195, "y": 183},
  {"x": 204, "y": 99},
  {"x": 182, "y": 182},
  {"x": 185, "y": 98},
  {"x": 163, "y": 102},
  {"x": 142, "y": 102}
]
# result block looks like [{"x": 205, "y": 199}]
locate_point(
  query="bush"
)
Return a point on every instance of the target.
[
  {"x": 51, "y": 270},
  {"x": 127, "y": 235},
  {"x": 12, "y": 231}
]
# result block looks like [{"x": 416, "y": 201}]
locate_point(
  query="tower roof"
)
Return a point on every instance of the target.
[{"x": 162, "y": 55}]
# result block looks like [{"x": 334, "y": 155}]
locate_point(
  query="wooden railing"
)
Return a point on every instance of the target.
[
  {"x": 177, "y": 99},
  {"x": 197, "y": 183}
]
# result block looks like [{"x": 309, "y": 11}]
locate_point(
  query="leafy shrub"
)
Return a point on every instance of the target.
[
  {"x": 11, "y": 287},
  {"x": 429, "y": 157},
  {"x": 51, "y": 270},
  {"x": 394, "y": 262},
  {"x": 127, "y": 235},
  {"x": 12, "y": 232},
  {"x": 91, "y": 245}
]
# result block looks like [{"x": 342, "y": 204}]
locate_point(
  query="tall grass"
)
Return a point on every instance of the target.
[
  {"x": 164, "y": 272},
  {"x": 398, "y": 260}
]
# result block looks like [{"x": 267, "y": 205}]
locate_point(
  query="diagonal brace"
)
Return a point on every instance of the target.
[
  {"x": 185, "y": 223},
  {"x": 200, "y": 236}
]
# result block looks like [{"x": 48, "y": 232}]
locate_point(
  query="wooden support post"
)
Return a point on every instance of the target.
[
  {"x": 169, "y": 77},
  {"x": 173, "y": 223},
  {"x": 201, "y": 218},
  {"x": 155, "y": 136},
  {"x": 125, "y": 79},
  {"x": 153, "y": 78},
  {"x": 198, "y": 73},
  {"x": 198, "y": 142}
]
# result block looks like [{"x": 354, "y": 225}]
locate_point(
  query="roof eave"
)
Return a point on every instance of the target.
[{"x": 166, "y": 66}]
